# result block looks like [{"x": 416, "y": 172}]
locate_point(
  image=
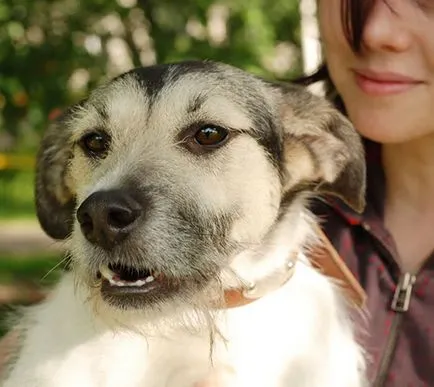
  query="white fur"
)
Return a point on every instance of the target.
[{"x": 297, "y": 335}]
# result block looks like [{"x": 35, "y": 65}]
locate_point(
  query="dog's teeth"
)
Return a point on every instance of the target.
[
  {"x": 115, "y": 279},
  {"x": 116, "y": 282},
  {"x": 138, "y": 283},
  {"x": 106, "y": 272}
]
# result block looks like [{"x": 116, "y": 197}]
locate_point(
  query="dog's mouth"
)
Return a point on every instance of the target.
[
  {"x": 121, "y": 275},
  {"x": 124, "y": 286},
  {"x": 118, "y": 279}
]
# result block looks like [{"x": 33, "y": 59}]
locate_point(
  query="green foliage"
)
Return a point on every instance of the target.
[
  {"x": 52, "y": 52},
  {"x": 36, "y": 269},
  {"x": 16, "y": 194}
]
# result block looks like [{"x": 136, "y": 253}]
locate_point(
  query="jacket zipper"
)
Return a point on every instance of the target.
[{"x": 400, "y": 304}]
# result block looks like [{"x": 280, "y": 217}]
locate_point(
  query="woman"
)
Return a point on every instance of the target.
[{"x": 379, "y": 57}]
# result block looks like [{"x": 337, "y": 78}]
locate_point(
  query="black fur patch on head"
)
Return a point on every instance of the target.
[
  {"x": 154, "y": 78},
  {"x": 151, "y": 78},
  {"x": 193, "y": 66}
]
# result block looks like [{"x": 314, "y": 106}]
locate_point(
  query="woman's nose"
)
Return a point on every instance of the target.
[{"x": 387, "y": 29}]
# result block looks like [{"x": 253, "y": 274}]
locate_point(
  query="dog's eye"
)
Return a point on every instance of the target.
[
  {"x": 95, "y": 144},
  {"x": 211, "y": 136}
]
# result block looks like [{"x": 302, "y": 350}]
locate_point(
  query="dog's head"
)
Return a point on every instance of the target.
[{"x": 166, "y": 172}]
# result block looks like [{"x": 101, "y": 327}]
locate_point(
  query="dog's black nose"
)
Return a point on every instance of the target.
[{"x": 107, "y": 217}]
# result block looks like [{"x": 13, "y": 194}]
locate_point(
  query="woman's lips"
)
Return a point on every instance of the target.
[{"x": 383, "y": 83}]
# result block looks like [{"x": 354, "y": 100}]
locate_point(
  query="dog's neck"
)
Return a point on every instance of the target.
[
  {"x": 268, "y": 266},
  {"x": 295, "y": 238}
]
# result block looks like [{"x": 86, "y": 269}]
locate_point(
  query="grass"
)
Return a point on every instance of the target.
[
  {"x": 32, "y": 268},
  {"x": 16, "y": 194}
]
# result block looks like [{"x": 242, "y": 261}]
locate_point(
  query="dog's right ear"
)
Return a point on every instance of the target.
[{"x": 54, "y": 198}]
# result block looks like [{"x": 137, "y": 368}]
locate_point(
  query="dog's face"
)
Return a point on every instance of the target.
[{"x": 165, "y": 173}]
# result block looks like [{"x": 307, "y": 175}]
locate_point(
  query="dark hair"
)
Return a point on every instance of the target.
[{"x": 354, "y": 14}]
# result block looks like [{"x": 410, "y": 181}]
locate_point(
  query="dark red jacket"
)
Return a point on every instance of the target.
[{"x": 400, "y": 337}]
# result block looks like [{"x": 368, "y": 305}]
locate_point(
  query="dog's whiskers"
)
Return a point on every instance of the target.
[{"x": 66, "y": 259}]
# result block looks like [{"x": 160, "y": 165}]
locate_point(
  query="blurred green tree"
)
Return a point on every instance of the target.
[{"x": 53, "y": 52}]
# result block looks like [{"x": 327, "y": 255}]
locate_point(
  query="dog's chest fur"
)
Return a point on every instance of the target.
[{"x": 305, "y": 344}]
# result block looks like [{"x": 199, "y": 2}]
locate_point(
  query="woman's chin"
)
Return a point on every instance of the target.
[{"x": 390, "y": 125}]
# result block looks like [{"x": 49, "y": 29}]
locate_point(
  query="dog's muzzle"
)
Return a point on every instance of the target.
[{"x": 107, "y": 219}]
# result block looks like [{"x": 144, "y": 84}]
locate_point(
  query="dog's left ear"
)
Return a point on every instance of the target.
[{"x": 321, "y": 147}]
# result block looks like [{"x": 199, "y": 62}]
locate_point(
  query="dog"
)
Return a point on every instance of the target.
[{"x": 182, "y": 192}]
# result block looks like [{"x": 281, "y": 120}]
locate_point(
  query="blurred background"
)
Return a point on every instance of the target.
[{"x": 53, "y": 52}]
